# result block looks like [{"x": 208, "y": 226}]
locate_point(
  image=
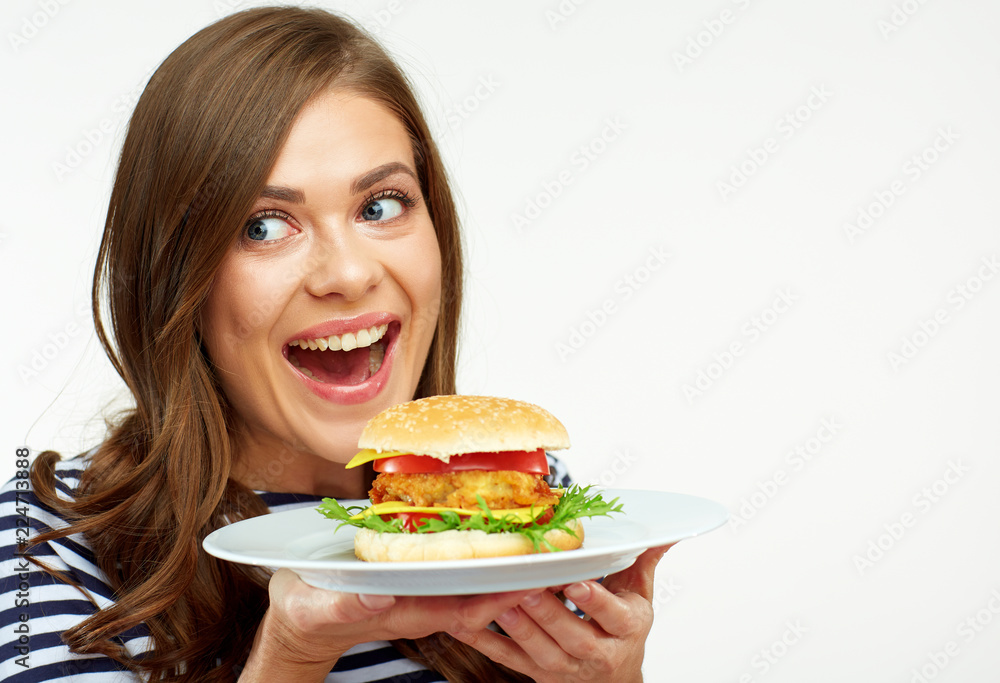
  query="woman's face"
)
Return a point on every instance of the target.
[{"x": 323, "y": 311}]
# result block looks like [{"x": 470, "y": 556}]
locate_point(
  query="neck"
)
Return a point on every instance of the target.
[{"x": 281, "y": 468}]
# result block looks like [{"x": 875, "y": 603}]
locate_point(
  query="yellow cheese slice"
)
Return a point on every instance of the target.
[
  {"x": 521, "y": 514},
  {"x": 369, "y": 454}
]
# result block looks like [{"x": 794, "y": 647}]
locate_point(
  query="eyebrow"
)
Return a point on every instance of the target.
[
  {"x": 296, "y": 196},
  {"x": 284, "y": 194},
  {"x": 377, "y": 174}
]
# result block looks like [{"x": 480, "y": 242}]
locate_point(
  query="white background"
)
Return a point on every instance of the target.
[{"x": 861, "y": 563}]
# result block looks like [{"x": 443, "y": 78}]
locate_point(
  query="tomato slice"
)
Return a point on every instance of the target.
[
  {"x": 545, "y": 517},
  {"x": 411, "y": 520},
  {"x": 532, "y": 462}
]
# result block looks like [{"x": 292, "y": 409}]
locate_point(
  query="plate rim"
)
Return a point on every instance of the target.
[{"x": 721, "y": 513}]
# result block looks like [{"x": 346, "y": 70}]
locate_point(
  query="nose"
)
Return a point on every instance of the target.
[{"x": 345, "y": 267}]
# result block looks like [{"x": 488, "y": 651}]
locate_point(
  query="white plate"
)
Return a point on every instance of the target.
[{"x": 311, "y": 545}]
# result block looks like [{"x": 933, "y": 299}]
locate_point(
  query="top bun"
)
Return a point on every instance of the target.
[{"x": 442, "y": 426}]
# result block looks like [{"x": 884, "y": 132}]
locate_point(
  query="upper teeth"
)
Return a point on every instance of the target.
[{"x": 343, "y": 342}]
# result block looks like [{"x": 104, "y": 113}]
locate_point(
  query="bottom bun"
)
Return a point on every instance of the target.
[{"x": 372, "y": 546}]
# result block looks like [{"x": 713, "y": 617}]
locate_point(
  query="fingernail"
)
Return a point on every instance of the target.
[
  {"x": 376, "y": 602},
  {"x": 508, "y": 618},
  {"x": 578, "y": 592}
]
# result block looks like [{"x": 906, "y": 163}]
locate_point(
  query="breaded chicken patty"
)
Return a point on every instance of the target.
[{"x": 502, "y": 490}]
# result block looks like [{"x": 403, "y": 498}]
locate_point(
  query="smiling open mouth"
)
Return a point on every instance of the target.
[{"x": 344, "y": 359}]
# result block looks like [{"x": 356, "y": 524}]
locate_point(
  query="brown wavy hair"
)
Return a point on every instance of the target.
[{"x": 200, "y": 145}]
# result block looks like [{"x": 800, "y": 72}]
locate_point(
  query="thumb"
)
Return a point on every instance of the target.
[
  {"x": 310, "y": 608},
  {"x": 637, "y": 578}
]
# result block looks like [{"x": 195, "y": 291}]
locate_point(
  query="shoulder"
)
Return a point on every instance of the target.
[
  {"x": 67, "y": 476},
  {"x": 38, "y": 603},
  {"x": 21, "y": 510},
  {"x": 23, "y": 516},
  {"x": 21, "y": 507}
]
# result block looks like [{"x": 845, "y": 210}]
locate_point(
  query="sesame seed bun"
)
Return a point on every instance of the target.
[
  {"x": 442, "y": 426},
  {"x": 372, "y": 546}
]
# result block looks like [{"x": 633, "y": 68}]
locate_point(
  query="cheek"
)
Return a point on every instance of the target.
[
  {"x": 241, "y": 308},
  {"x": 425, "y": 282}
]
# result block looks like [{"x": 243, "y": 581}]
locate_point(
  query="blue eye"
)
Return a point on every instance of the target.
[
  {"x": 267, "y": 229},
  {"x": 382, "y": 209}
]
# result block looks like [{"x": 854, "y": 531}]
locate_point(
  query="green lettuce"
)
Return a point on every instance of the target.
[{"x": 574, "y": 503}]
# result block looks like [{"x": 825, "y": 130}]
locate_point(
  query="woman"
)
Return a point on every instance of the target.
[{"x": 278, "y": 192}]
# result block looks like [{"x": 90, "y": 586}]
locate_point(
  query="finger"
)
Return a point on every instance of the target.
[
  {"x": 637, "y": 578},
  {"x": 480, "y": 611},
  {"x": 450, "y": 613},
  {"x": 550, "y": 633},
  {"x": 308, "y": 608},
  {"x": 619, "y": 614}
]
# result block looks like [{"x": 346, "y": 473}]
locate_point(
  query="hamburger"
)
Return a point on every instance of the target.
[{"x": 462, "y": 477}]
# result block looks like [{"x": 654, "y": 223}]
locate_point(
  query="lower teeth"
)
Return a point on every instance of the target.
[{"x": 375, "y": 358}]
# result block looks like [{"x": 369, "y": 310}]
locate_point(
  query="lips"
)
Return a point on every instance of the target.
[{"x": 345, "y": 365}]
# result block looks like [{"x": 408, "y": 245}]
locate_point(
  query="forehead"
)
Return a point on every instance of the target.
[{"x": 339, "y": 135}]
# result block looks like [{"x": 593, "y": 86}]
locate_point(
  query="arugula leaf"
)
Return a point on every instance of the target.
[
  {"x": 331, "y": 509},
  {"x": 575, "y": 502}
]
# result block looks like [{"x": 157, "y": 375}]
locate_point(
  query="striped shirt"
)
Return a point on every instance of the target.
[{"x": 35, "y": 608}]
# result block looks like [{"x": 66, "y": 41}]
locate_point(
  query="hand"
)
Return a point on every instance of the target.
[
  {"x": 548, "y": 642},
  {"x": 305, "y": 630}
]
